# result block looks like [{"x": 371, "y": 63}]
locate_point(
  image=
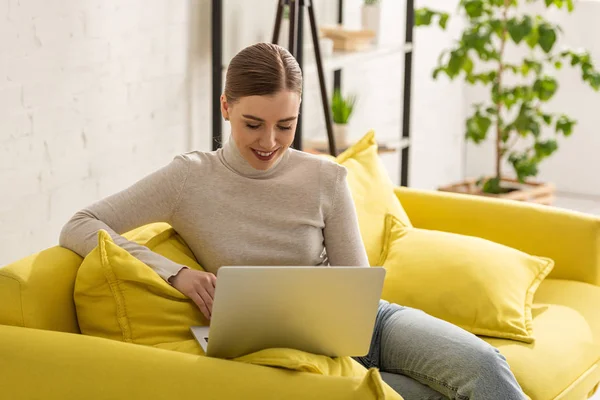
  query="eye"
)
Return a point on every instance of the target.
[
  {"x": 253, "y": 126},
  {"x": 285, "y": 128}
]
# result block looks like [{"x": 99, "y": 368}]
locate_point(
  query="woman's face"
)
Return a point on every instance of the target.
[{"x": 263, "y": 127}]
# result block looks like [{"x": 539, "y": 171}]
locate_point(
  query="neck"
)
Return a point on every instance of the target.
[{"x": 233, "y": 159}]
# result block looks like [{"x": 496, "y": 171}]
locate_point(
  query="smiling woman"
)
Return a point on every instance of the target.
[{"x": 262, "y": 99}]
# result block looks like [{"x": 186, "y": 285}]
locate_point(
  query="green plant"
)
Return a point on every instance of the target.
[
  {"x": 342, "y": 107},
  {"x": 515, "y": 111},
  {"x": 372, "y": 2}
]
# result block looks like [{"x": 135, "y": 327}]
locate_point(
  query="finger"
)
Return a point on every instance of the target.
[
  {"x": 205, "y": 283},
  {"x": 210, "y": 288},
  {"x": 208, "y": 301},
  {"x": 200, "y": 303},
  {"x": 213, "y": 279}
]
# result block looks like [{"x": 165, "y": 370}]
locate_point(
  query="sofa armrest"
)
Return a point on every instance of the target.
[
  {"x": 55, "y": 365},
  {"x": 37, "y": 291},
  {"x": 570, "y": 238}
]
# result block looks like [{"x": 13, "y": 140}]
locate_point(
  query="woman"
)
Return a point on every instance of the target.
[{"x": 256, "y": 201}]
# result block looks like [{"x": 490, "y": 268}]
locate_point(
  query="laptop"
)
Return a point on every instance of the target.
[{"x": 321, "y": 310}]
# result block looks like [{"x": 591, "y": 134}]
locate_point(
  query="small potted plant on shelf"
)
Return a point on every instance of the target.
[
  {"x": 342, "y": 111},
  {"x": 371, "y": 18},
  {"x": 516, "y": 116}
]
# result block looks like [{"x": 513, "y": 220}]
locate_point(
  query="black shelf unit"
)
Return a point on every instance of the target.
[{"x": 217, "y": 78}]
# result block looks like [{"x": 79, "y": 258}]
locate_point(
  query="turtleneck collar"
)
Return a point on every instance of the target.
[{"x": 232, "y": 158}]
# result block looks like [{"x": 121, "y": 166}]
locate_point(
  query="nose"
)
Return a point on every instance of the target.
[{"x": 268, "y": 140}]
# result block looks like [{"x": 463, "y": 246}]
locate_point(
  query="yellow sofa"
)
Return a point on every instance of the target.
[{"x": 42, "y": 354}]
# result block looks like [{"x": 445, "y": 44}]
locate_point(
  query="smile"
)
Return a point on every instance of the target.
[{"x": 265, "y": 156}]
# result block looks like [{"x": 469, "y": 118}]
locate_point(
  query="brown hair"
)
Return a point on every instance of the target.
[{"x": 262, "y": 69}]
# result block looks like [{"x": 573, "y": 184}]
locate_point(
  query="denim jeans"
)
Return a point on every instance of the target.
[{"x": 422, "y": 357}]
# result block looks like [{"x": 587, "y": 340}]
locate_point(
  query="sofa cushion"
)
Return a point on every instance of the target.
[
  {"x": 483, "y": 287},
  {"x": 372, "y": 192},
  {"x": 119, "y": 297},
  {"x": 566, "y": 351}
]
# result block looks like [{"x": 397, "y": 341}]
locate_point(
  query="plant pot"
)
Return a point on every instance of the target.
[
  {"x": 371, "y": 20},
  {"x": 532, "y": 192},
  {"x": 340, "y": 134}
]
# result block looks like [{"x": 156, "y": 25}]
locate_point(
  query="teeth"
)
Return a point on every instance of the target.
[{"x": 264, "y": 154}]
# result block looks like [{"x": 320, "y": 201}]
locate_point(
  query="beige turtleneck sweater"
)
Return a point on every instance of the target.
[{"x": 298, "y": 213}]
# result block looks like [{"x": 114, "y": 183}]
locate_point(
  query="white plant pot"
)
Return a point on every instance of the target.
[
  {"x": 371, "y": 20},
  {"x": 340, "y": 134}
]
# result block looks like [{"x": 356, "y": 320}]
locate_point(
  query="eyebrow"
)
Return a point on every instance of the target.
[{"x": 262, "y": 120}]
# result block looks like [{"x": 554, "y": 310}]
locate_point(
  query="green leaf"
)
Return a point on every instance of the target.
[
  {"x": 497, "y": 26},
  {"x": 468, "y": 65},
  {"x": 519, "y": 30},
  {"x": 534, "y": 127},
  {"x": 558, "y": 64},
  {"x": 474, "y": 8},
  {"x": 547, "y": 37},
  {"x": 545, "y": 88},
  {"x": 492, "y": 185},
  {"x": 575, "y": 59},
  {"x": 565, "y": 125},
  {"x": 547, "y": 118},
  {"x": 443, "y": 21},
  {"x": 342, "y": 107},
  {"x": 593, "y": 79},
  {"x": 524, "y": 165},
  {"x": 533, "y": 37},
  {"x": 457, "y": 59},
  {"x": 514, "y": 30},
  {"x": 544, "y": 149},
  {"x": 477, "y": 127},
  {"x": 423, "y": 16},
  {"x": 570, "y": 6}
]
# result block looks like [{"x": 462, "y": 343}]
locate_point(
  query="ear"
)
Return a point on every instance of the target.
[{"x": 224, "y": 107}]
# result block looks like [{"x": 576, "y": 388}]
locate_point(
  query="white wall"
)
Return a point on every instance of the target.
[
  {"x": 95, "y": 94},
  {"x": 437, "y": 151},
  {"x": 572, "y": 168}
]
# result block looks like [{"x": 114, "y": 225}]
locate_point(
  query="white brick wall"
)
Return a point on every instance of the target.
[
  {"x": 94, "y": 94},
  {"x": 92, "y": 97}
]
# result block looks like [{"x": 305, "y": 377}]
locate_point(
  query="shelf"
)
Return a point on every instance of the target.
[
  {"x": 384, "y": 146},
  {"x": 342, "y": 59}
]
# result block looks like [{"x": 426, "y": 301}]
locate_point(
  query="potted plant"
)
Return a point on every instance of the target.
[
  {"x": 515, "y": 115},
  {"x": 371, "y": 18},
  {"x": 342, "y": 111}
]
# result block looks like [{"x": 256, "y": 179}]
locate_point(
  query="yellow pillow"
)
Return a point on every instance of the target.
[
  {"x": 119, "y": 297},
  {"x": 372, "y": 192},
  {"x": 297, "y": 360},
  {"x": 483, "y": 287}
]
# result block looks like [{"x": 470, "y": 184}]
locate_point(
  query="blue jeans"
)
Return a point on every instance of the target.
[{"x": 422, "y": 357}]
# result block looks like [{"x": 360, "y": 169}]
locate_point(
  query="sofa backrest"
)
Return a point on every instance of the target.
[{"x": 37, "y": 291}]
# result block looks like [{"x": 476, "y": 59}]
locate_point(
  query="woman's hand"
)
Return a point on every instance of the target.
[{"x": 198, "y": 286}]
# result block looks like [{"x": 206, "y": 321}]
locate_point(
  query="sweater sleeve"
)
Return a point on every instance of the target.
[
  {"x": 152, "y": 199},
  {"x": 343, "y": 241}
]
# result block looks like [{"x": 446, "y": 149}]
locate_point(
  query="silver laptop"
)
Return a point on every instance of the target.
[{"x": 321, "y": 310}]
